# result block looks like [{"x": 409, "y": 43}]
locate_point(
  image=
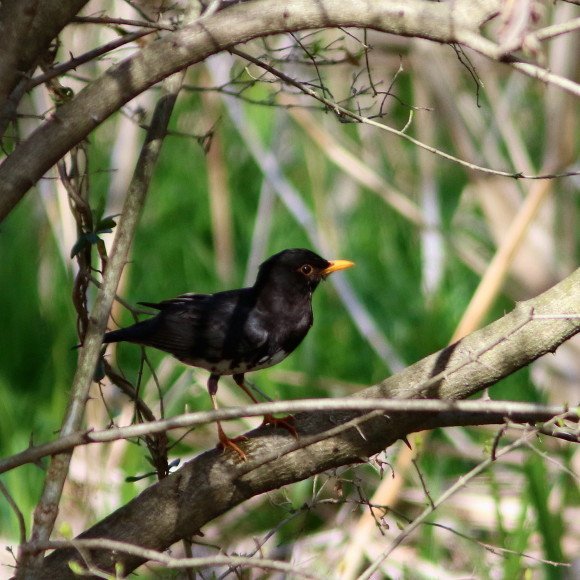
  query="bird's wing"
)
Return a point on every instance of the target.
[
  {"x": 183, "y": 300},
  {"x": 211, "y": 327},
  {"x": 228, "y": 328},
  {"x": 175, "y": 328}
]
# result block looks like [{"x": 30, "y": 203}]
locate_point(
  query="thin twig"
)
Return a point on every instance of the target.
[
  {"x": 47, "y": 509},
  {"x": 16, "y": 510},
  {"x": 460, "y": 483},
  {"x": 171, "y": 562},
  {"x": 492, "y": 412},
  {"x": 71, "y": 64},
  {"x": 122, "y": 22},
  {"x": 342, "y": 112}
]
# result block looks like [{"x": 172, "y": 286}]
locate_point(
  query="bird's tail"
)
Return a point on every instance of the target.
[{"x": 137, "y": 333}]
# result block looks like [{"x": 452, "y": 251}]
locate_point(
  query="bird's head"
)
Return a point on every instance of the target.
[{"x": 299, "y": 269}]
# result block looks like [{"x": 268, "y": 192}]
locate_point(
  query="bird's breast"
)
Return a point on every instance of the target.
[{"x": 234, "y": 366}]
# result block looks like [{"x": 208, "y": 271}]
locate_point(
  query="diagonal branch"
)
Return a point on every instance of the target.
[
  {"x": 47, "y": 509},
  {"x": 214, "y": 482},
  {"x": 343, "y": 112}
]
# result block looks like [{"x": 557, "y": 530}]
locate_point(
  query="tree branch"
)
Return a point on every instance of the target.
[
  {"x": 27, "y": 28},
  {"x": 47, "y": 509},
  {"x": 237, "y": 24},
  {"x": 214, "y": 482},
  {"x": 446, "y": 413}
]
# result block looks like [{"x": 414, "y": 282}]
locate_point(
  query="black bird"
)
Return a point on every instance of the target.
[{"x": 238, "y": 331}]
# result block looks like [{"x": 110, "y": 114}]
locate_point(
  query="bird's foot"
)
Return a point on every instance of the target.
[
  {"x": 226, "y": 442},
  {"x": 285, "y": 422}
]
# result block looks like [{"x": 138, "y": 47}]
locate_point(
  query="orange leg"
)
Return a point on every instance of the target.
[
  {"x": 285, "y": 422},
  {"x": 224, "y": 440}
]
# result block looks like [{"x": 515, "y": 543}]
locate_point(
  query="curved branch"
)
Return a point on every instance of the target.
[
  {"x": 179, "y": 505},
  {"x": 83, "y": 546},
  {"x": 73, "y": 121}
]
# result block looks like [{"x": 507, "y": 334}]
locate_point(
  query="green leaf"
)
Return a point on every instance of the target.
[
  {"x": 79, "y": 246},
  {"x": 107, "y": 223},
  {"x": 134, "y": 478}
]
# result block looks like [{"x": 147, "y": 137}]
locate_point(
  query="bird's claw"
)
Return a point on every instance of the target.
[
  {"x": 226, "y": 442},
  {"x": 285, "y": 422}
]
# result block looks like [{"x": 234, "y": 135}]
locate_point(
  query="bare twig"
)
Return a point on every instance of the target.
[
  {"x": 342, "y": 112},
  {"x": 73, "y": 63},
  {"x": 454, "y": 412},
  {"x": 106, "y": 20},
  {"x": 46, "y": 511},
  {"x": 19, "y": 515},
  {"x": 461, "y": 483},
  {"x": 86, "y": 546}
]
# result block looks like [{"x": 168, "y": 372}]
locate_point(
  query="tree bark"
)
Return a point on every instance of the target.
[
  {"x": 74, "y": 121},
  {"x": 27, "y": 28},
  {"x": 214, "y": 482}
]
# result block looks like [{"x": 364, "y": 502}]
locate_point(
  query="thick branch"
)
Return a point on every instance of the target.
[
  {"x": 176, "y": 51},
  {"x": 27, "y": 28},
  {"x": 215, "y": 482}
]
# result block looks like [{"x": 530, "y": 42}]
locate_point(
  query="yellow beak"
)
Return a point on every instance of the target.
[{"x": 337, "y": 265}]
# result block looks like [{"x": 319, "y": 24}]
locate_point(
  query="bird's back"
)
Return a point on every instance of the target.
[{"x": 226, "y": 332}]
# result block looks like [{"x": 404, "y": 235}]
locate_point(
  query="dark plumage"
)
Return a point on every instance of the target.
[{"x": 238, "y": 331}]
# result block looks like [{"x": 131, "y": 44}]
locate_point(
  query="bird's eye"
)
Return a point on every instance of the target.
[{"x": 307, "y": 269}]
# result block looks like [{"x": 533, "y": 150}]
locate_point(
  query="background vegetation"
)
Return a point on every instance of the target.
[{"x": 218, "y": 206}]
